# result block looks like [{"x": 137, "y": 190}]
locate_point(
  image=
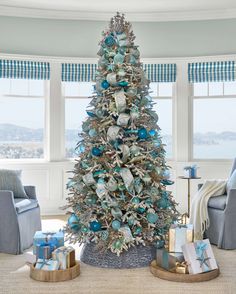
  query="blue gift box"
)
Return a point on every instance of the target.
[
  {"x": 44, "y": 251},
  {"x": 55, "y": 239}
]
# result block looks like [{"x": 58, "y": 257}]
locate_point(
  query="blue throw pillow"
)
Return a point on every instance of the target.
[
  {"x": 11, "y": 180},
  {"x": 231, "y": 184}
]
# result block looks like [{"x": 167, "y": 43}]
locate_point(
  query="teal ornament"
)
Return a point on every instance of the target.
[
  {"x": 167, "y": 182},
  {"x": 160, "y": 244},
  {"x": 117, "y": 169},
  {"x": 117, "y": 244},
  {"x": 135, "y": 200},
  {"x": 92, "y": 133},
  {"x": 96, "y": 151},
  {"x": 152, "y": 133},
  {"x": 90, "y": 113},
  {"x": 157, "y": 143},
  {"x": 84, "y": 229},
  {"x": 98, "y": 173},
  {"x": 132, "y": 60},
  {"x": 138, "y": 231},
  {"x": 142, "y": 133},
  {"x": 148, "y": 201},
  {"x": 105, "y": 84},
  {"x": 115, "y": 225},
  {"x": 131, "y": 221},
  {"x": 91, "y": 200},
  {"x": 119, "y": 58},
  {"x": 99, "y": 113},
  {"x": 73, "y": 222},
  {"x": 123, "y": 83},
  {"x": 110, "y": 41},
  {"x": 81, "y": 148},
  {"x": 116, "y": 212},
  {"x": 163, "y": 203},
  {"x": 141, "y": 210},
  {"x": 152, "y": 218},
  {"x": 95, "y": 226}
]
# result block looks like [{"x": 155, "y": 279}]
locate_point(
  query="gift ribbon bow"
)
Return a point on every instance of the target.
[
  {"x": 201, "y": 248},
  {"x": 42, "y": 263},
  {"x": 182, "y": 265}
]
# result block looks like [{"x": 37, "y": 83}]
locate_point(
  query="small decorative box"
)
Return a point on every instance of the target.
[
  {"x": 199, "y": 256},
  {"x": 179, "y": 235},
  {"x": 65, "y": 256},
  {"x": 47, "y": 264},
  {"x": 168, "y": 260},
  {"x": 53, "y": 238},
  {"x": 44, "y": 251}
]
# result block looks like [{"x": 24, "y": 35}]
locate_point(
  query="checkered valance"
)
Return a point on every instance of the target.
[
  {"x": 161, "y": 73},
  {"x": 19, "y": 69},
  {"x": 219, "y": 71},
  {"x": 78, "y": 72}
]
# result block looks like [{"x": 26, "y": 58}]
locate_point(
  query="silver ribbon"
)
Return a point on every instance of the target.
[
  {"x": 123, "y": 119},
  {"x": 112, "y": 133},
  {"x": 120, "y": 100}
]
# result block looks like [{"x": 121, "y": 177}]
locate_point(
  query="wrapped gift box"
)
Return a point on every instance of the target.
[
  {"x": 65, "y": 256},
  {"x": 168, "y": 260},
  {"x": 47, "y": 264},
  {"x": 55, "y": 239},
  {"x": 179, "y": 235},
  {"x": 199, "y": 256},
  {"x": 44, "y": 250}
]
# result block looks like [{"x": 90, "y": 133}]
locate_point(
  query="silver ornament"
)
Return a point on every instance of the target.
[
  {"x": 88, "y": 179},
  {"x": 120, "y": 100},
  {"x": 111, "y": 78},
  {"x": 112, "y": 133},
  {"x": 123, "y": 119}
]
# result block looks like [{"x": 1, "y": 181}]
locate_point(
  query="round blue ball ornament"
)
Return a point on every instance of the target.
[
  {"x": 105, "y": 84},
  {"x": 142, "y": 133},
  {"x": 135, "y": 200},
  {"x": 115, "y": 225},
  {"x": 160, "y": 244},
  {"x": 152, "y": 218},
  {"x": 138, "y": 231},
  {"x": 73, "y": 222},
  {"x": 152, "y": 133},
  {"x": 95, "y": 226},
  {"x": 141, "y": 209},
  {"x": 96, "y": 151},
  {"x": 110, "y": 41}
]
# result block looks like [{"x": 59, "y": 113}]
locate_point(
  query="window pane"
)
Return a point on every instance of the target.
[
  {"x": 163, "y": 107},
  {"x": 36, "y": 88},
  {"x": 153, "y": 89},
  {"x": 75, "y": 114},
  {"x": 5, "y": 86},
  {"x": 214, "y": 128},
  {"x": 230, "y": 88},
  {"x": 165, "y": 89},
  {"x": 19, "y": 87},
  {"x": 21, "y": 127},
  {"x": 86, "y": 89},
  {"x": 200, "y": 89},
  {"x": 71, "y": 89},
  {"x": 215, "y": 89}
]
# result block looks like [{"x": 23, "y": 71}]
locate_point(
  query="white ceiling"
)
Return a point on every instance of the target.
[{"x": 135, "y": 10}]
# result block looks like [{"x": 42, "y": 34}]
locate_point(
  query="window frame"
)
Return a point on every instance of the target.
[
  {"x": 173, "y": 100},
  {"x": 191, "y": 114},
  {"x": 45, "y": 98}
]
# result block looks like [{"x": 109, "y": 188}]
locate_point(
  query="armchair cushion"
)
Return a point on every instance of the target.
[
  {"x": 10, "y": 180},
  {"x": 231, "y": 184},
  {"x": 217, "y": 202},
  {"x": 22, "y": 204}
]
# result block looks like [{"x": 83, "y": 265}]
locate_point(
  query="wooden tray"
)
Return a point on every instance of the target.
[
  {"x": 184, "y": 278},
  {"x": 55, "y": 276}
]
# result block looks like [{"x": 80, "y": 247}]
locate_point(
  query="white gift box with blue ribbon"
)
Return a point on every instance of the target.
[{"x": 199, "y": 257}]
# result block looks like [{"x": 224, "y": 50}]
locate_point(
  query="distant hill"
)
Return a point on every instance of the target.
[{"x": 10, "y": 132}]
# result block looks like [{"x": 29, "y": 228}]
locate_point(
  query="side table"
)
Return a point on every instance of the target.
[{"x": 189, "y": 179}]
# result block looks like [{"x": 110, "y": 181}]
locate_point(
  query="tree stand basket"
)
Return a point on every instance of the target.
[
  {"x": 55, "y": 276},
  {"x": 184, "y": 278},
  {"x": 135, "y": 257}
]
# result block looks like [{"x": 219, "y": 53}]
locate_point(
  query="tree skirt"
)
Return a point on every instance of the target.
[{"x": 135, "y": 257}]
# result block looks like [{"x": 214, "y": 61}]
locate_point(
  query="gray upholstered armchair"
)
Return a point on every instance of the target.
[
  {"x": 19, "y": 220},
  {"x": 222, "y": 215}
]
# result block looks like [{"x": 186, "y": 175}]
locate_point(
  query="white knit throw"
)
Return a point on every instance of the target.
[{"x": 198, "y": 213}]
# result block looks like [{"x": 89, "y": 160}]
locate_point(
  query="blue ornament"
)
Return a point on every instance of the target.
[
  {"x": 90, "y": 113},
  {"x": 167, "y": 182},
  {"x": 105, "y": 84},
  {"x": 160, "y": 244},
  {"x": 110, "y": 41},
  {"x": 81, "y": 148},
  {"x": 73, "y": 222},
  {"x": 131, "y": 221},
  {"x": 123, "y": 83},
  {"x": 119, "y": 58},
  {"x": 163, "y": 203},
  {"x": 135, "y": 200},
  {"x": 152, "y": 218},
  {"x": 141, "y": 210},
  {"x": 166, "y": 174},
  {"x": 115, "y": 225},
  {"x": 96, "y": 151},
  {"x": 142, "y": 133},
  {"x": 148, "y": 201},
  {"x": 95, "y": 226},
  {"x": 138, "y": 231},
  {"x": 152, "y": 133},
  {"x": 92, "y": 133}
]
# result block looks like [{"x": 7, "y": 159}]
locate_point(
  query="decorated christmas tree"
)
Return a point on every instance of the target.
[{"x": 118, "y": 196}]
